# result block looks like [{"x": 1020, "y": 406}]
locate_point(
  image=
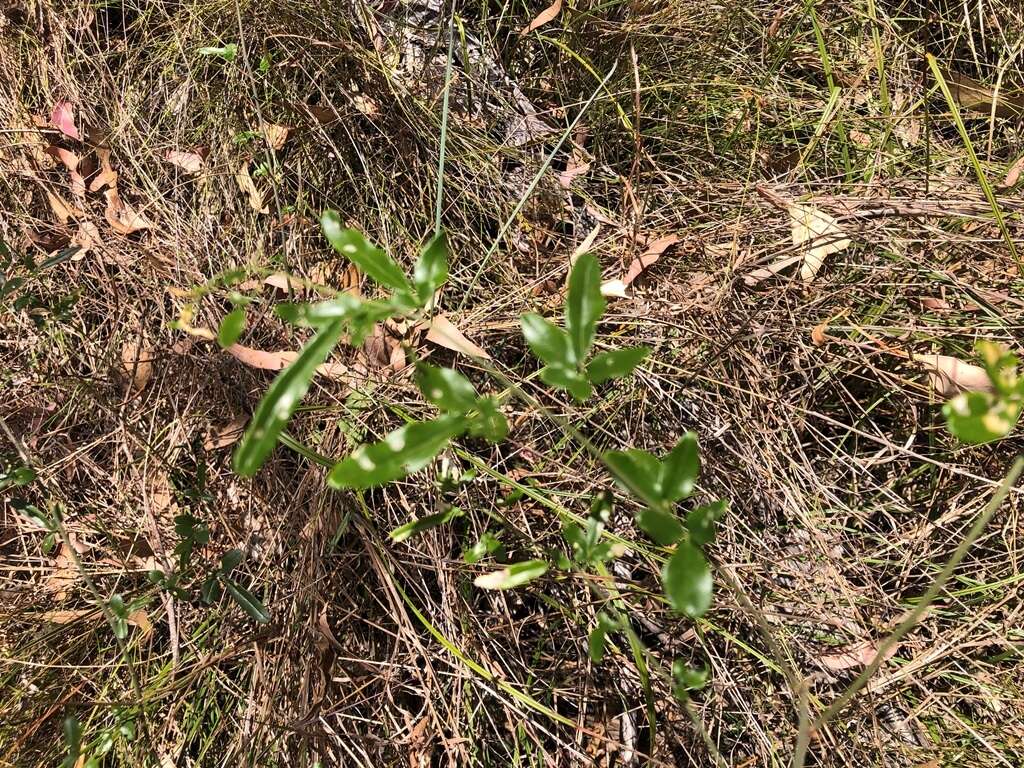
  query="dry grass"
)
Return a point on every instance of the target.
[{"x": 847, "y": 493}]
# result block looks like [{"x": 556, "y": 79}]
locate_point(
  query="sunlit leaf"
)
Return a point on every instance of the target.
[
  {"x": 584, "y": 304},
  {"x": 615, "y": 364},
  {"x": 568, "y": 378},
  {"x": 403, "y": 532},
  {"x": 980, "y": 417},
  {"x": 447, "y": 389},
  {"x": 281, "y": 400},
  {"x": 513, "y": 576},
  {"x": 679, "y": 470},
  {"x": 663, "y": 527},
  {"x": 547, "y": 341},
  {"x": 638, "y": 472},
  {"x": 226, "y": 52},
  {"x": 372, "y": 261},
  {"x": 231, "y": 327},
  {"x": 431, "y": 269},
  {"x": 489, "y": 423},
  {"x": 686, "y": 579},
  {"x": 248, "y": 601},
  {"x": 700, "y": 522}
]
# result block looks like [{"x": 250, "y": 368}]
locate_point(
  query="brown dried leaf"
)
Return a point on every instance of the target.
[
  {"x": 975, "y": 96},
  {"x": 282, "y": 281},
  {"x": 140, "y": 619},
  {"x": 64, "y": 574},
  {"x": 137, "y": 361},
  {"x": 542, "y": 18},
  {"x": 63, "y": 118},
  {"x": 756, "y": 276},
  {"x": 950, "y": 375},
  {"x": 1013, "y": 174},
  {"x": 71, "y": 162},
  {"x": 816, "y": 233},
  {"x": 651, "y": 254},
  {"x": 441, "y": 331},
  {"x": 859, "y": 654},
  {"x": 248, "y": 186},
  {"x": 226, "y": 434},
  {"x": 614, "y": 288},
  {"x": 160, "y": 494},
  {"x": 121, "y": 217},
  {"x": 64, "y": 210},
  {"x": 275, "y": 135},
  {"x": 68, "y": 616},
  {"x": 934, "y": 303},
  {"x": 275, "y": 361},
  {"x": 818, "y": 334},
  {"x": 189, "y": 162}
]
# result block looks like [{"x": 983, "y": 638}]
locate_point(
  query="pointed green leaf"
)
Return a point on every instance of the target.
[
  {"x": 663, "y": 527},
  {"x": 431, "y": 269},
  {"x": 489, "y": 422},
  {"x": 616, "y": 364},
  {"x": 281, "y": 400},
  {"x": 447, "y": 389},
  {"x": 513, "y": 576},
  {"x": 584, "y": 305},
  {"x": 567, "y": 378},
  {"x": 248, "y": 601},
  {"x": 487, "y": 544},
  {"x": 700, "y": 522},
  {"x": 403, "y": 532},
  {"x": 598, "y": 637},
  {"x": 230, "y": 560},
  {"x": 637, "y": 472},
  {"x": 680, "y": 468},
  {"x": 686, "y": 579},
  {"x": 547, "y": 341},
  {"x": 372, "y": 261},
  {"x": 231, "y": 327},
  {"x": 404, "y": 451}
]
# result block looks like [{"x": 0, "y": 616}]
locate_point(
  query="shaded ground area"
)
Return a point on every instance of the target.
[{"x": 847, "y": 493}]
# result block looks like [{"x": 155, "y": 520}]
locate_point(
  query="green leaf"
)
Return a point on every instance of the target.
[
  {"x": 230, "y": 560},
  {"x": 210, "y": 589},
  {"x": 637, "y": 472},
  {"x": 686, "y": 579},
  {"x": 406, "y": 450},
  {"x": 226, "y": 52},
  {"x": 248, "y": 601},
  {"x": 403, "y": 532},
  {"x": 72, "y": 740},
  {"x": 231, "y": 327},
  {"x": 680, "y": 468},
  {"x": 567, "y": 378},
  {"x": 489, "y": 422},
  {"x": 281, "y": 400},
  {"x": 547, "y": 341},
  {"x": 585, "y": 304},
  {"x": 447, "y": 389},
  {"x": 686, "y": 679},
  {"x": 431, "y": 269},
  {"x": 616, "y": 364},
  {"x": 700, "y": 522},
  {"x": 597, "y": 640},
  {"x": 513, "y": 576},
  {"x": 487, "y": 544},
  {"x": 663, "y": 527},
  {"x": 980, "y": 417},
  {"x": 371, "y": 260}
]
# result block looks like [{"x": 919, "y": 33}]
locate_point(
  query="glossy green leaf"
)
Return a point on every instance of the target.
[
  {"x": 406, "y": 450},
  {"x": 637, "y": 472},
  {"x": 230, "y": 560},
  {"x": 488, "y": 422},
  {"x": 569, "y": 379},
  {"x": 248, "y": 601},
  {"x": 700, "y": 522},
  {"x": 615, "y": 364},
  {"x": 679, "y": 470},
  {"x": 547, "y": 341},
  {"x": 599, "y": 636},
  {"x": 447, "y": 389},
  {"x": 686, "y": 579},
  {"x": 231, "y": 327},
  {"x": 431, "y": 269},
  {"x": 980, "y": 417},
  {"x": 372, "y": 261},
  {"x": 344, "y": 306},
  {"x": 403, "y": 532},
  {"x": 226, "y": 52},
  {"x": 584, "y": 305},
  {"x": 663, "y": 527},
  {"x": 281, "y": 400},
  {"x": 513, "y": 576}
]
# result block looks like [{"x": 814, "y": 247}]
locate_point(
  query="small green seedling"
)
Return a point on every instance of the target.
[{"x": 980, "y": 417}]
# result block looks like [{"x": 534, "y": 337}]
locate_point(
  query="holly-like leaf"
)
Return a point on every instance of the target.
[
  {"x": 404, "y": 451},
  {"x": 431, "y": 269},
  {"x": 661, "y": 526},
  {"x": 686, "y": 579},
  {"x": 371, "y": 260},
  {"x": 447, "y": 389},
  {"x": 403, "y": 532},
  {"x": 547, "y": 341},
  {"x": 281, "y": 400},
  {"x": 584, "y": 305},
  {"x": 615, "y": 364},
  {"x": 680, "y": 468}
]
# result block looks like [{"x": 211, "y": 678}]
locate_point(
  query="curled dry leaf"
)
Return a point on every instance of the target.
[
  {"x": 857, "y": 655},
  {"x": 817, "y": 234},
  {"x": 63, "y": 118},
  {"x": 935, "y": 304},
  {"x": 975, "y": 96},
  {"x": 819, "y": 335},
  {"x": 653, "y": 252},
  {"x": 441, "y": 331},
  {"x": 283, "y": 282},
  {"x": 226, "y": 434},
  {"x": 137, "y": 361},
  {"x": 64, "y": 574},
  {"x": 140, "y": 619},
  {"x": 275, "y": 135},
  {"x": 547, "y": 15},
  {"x": 248, "y": 186},
  {"x": 64, "y": 210},
  {"x": 121, "y": 217},
  {"x": 189, "y": 162},
  {"x": 614, "y": 288},
  {"x": 107, "y": 177},
  {"x": 275, "y": 361},
  {"x": 950, "y": 375},
  {"x": 1013, "y": 174},
  {"x": 71, "y": 162}
]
